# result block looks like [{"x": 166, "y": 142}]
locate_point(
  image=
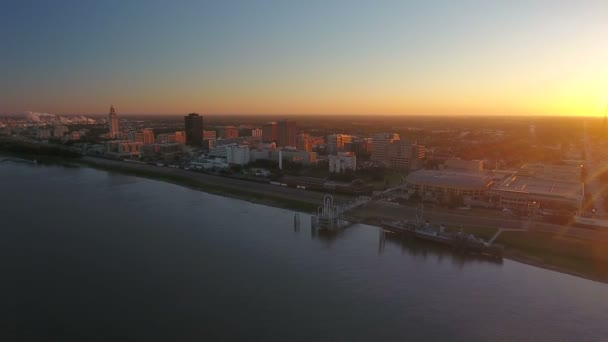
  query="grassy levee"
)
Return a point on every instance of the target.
[
  {"x": 215, "y": 189},
  {"x": 584, "y": 258},
  {"x": 40, "y": 152}
]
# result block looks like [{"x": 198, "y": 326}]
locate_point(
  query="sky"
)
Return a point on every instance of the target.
[{"x": 484, "y": 57}]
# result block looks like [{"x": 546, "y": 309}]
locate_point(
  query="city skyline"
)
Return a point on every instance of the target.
[{"x": 337, "y": 58}]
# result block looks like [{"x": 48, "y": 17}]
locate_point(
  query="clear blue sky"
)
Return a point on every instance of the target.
[{"x": 392, "y": 57}]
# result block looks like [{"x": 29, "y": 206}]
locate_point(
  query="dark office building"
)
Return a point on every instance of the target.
[
  {"x": 287, "y": 133},
  {"x": 270, "y": 132},
  {"x": 194, "y": 129}
]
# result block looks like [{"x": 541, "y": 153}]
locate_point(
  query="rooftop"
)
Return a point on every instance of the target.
[
  {"x": 452, "y": 179},
  {"x": 531, "y": 185}
]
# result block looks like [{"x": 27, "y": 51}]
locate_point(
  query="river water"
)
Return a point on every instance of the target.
[{"x": 88, "y": 255}]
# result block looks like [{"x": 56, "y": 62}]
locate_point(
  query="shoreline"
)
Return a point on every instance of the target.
[
  {"x": 285, "y": 200},
  {"x": 214, "y": 189},
  {"x": 531, "y": 261}
]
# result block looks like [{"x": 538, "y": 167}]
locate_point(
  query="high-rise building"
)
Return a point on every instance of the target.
[
  {"x": 112, "y": 123},
  {"x": 270, "y": 132},
  {"x": 404, "y": 155},
  {"x": 148, "y": 136},
  {"x": 287, "y": 133},
  {"x": 303, "y": 142},
  {"x": 194, "y": 129},
  {"x": 361, "y": 146},
  {"x": 336, "y": 142},
  {"x": 380, "y": 146}
]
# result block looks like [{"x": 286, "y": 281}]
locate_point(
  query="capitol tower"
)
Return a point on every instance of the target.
[{"x": 112, "y": 123}]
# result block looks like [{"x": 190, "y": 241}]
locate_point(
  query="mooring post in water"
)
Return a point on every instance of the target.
[
  {"x": 296, "y": 221},
  {"x": 381, "y": 241}
]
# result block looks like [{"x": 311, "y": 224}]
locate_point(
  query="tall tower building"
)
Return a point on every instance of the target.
[
  {"x": 303, "y": 142},
  {"x": 380, "y": 146},
  {"x": 148, "y": 136},
  {"x": 270, "y": 132},
  {"x": 287, "y": 133},
  {"x": 194, "y": 129},
  {"x": 112, "y": 123}
]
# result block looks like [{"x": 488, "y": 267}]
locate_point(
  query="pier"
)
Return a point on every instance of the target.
[{"x": 331, "y": 217}]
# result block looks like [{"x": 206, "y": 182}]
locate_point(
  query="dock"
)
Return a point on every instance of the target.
[{"x": 459, "y": 241}]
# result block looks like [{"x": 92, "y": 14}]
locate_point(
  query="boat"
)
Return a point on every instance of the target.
[
  {"x": 460, "y": 241},
  {"x": 591, "y": 220}
]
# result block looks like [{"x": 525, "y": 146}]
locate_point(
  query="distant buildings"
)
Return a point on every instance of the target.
[
  {"x": 389, "y": 150},
  {"x": 287, "y": 133},
  {"x": 194, "y": 129},
  {"x": 180, "y": 137},
  {"x": 361, "y": 146},
  {"x": 237, "y": 154},
  {"x": 209, "y": 135},
  {"x": 304, "y": 142},
  {"x": 270, "y": 132},
  {"x": 171, "y": 138},
  {"x": 293, "y": 155},
  {"x": 123, "y": 148},
  {"x": 227, "y": 132},
  {"x": 336, "y": 142},
  {"x": 256, "y": 133},
  {"x": 59, "y": 131},
  {"x": 380, "y": 146},
  {"x": 43, "y": 133},
  {"x": 166, "y": 151},
  {"x": 403, "y": 155},
  {"x": 342, "y": 162},
  {"x": 112, "y": 123},
  {"x": 148, "y": 136}
]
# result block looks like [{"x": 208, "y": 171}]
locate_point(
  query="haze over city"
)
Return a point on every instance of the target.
[
  {"x": 314, "y": 170},
  {"x": 309, "y": 57}
]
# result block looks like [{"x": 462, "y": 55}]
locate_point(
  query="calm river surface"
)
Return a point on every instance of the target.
[{"x": 91, "y": 256}]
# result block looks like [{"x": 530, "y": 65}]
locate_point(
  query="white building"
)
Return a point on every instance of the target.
[
  {"x": 237, "y": 154},
  {"x": 256, "y": 132},
  {"x": 342, "y": 162}
]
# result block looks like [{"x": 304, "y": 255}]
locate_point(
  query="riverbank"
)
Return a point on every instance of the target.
[
  {"x": 578, "y": 257},
  {"x": 582, "y": 258},
  {"x": 259, "y": 193}
]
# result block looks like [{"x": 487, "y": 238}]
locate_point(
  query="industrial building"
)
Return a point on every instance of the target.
[
  {"x": 439, "y": 183},
  {"x": 531, "y": 186}
]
